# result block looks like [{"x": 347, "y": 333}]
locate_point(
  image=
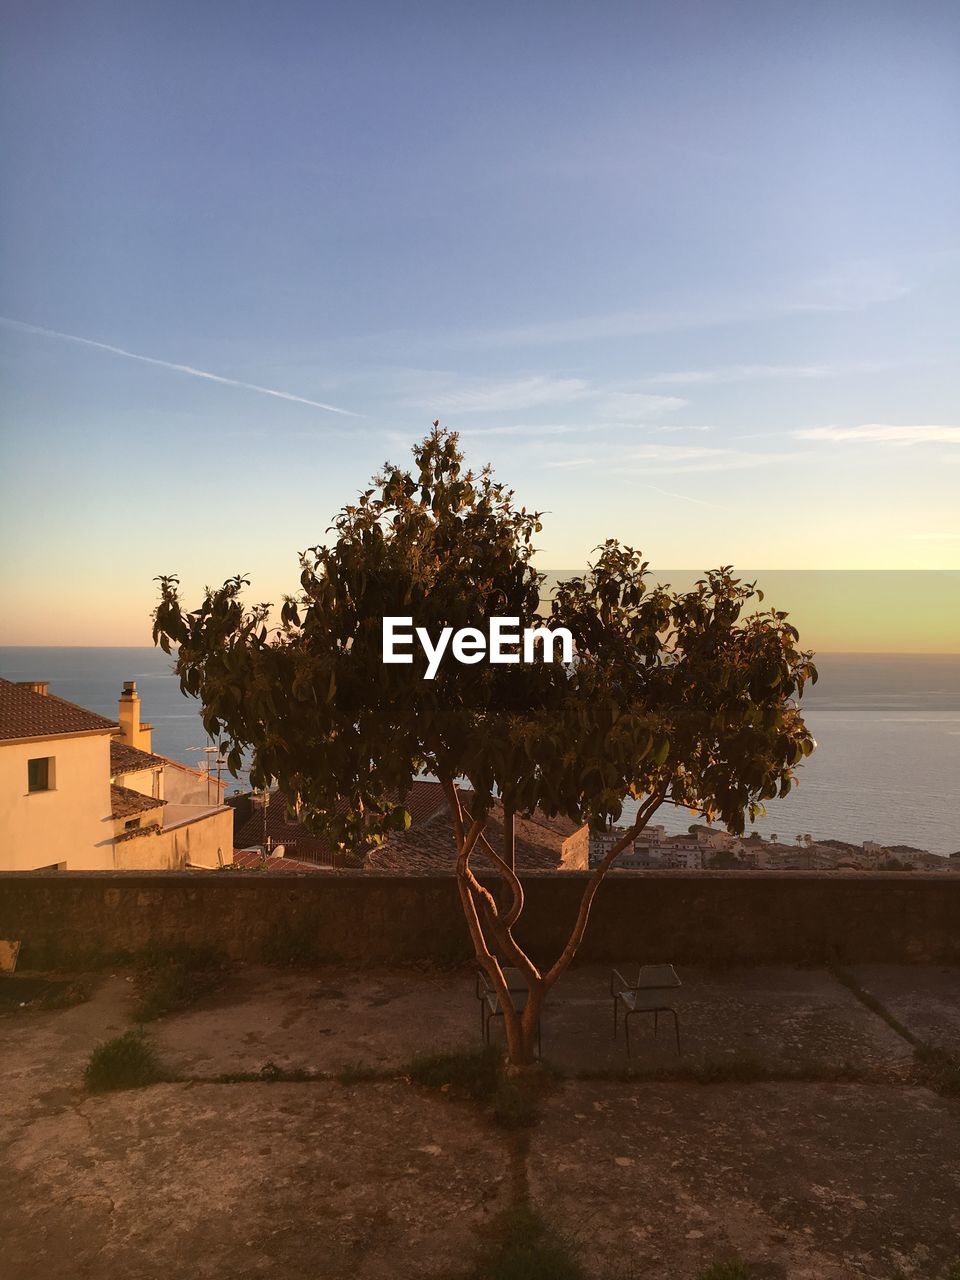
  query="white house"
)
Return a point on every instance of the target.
[{"x": 79, "y": 792}]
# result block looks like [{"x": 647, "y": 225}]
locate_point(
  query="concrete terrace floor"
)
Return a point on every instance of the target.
[{"x": 821, "y": 1178}]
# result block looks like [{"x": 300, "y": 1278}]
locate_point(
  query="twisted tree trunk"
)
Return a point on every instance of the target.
[{"x": 491, "y": 924}]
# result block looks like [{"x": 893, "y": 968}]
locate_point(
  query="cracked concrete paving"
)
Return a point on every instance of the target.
[
  {"x": 781, "y": 1016},
  {"x": 282, "y": 1180},
  {"x": 805, "y": 1181},
  {"x": 195, "y": 1181}
]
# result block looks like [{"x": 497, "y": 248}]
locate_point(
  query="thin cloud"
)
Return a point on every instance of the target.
[
  {"x": 176, "y": 368},
  {"x": 453, "y": 396},
  {"x": 521, "y": 429},
  {"x": 503, "y": 395},
  {"x": 857, "y": 288},
  {"x": 664, "y": 459},
  {"x": 879, "y": 433},
  {"x": 754, "y": 373},
  {"x": 685, "y": 497},
  {"x": 634, "y": 406},
  {"x": 588, "y": 427}
]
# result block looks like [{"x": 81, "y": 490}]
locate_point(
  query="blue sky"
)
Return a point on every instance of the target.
[{"x": 686, "y": 273}]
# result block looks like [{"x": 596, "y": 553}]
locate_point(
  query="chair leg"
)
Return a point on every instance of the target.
[
  {"x": 676, "y": 1027},
  {"x": 626, "y": 1027},
  {"x": 539, "y": 1042},
  {"x": 656, "y": 1022},
  {"x": 616, "y": 1003}
]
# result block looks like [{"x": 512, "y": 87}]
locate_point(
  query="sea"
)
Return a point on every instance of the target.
[{"x": 887, "y": 765}]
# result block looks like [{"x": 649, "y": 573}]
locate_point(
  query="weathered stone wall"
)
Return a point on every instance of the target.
[{"x": 713, "y": 917}]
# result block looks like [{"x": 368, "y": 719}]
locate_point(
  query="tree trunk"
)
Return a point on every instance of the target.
[
  {"x": 520, "y": 1030},
  {"x": 508, "y": 854}
]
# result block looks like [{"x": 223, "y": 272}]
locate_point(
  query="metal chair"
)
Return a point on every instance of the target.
[
  {"x": 644, "y": 996},
  {"x": 489, "y": 999}
]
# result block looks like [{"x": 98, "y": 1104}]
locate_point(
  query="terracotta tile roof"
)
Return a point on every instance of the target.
[
  {"x": 432, "y": 846},
  {"x": 25, "y": 714},
  {"x": 423, "y": 802},
  {"x": 127, "y": 759},
  {"x": 126, "y": 803},
  {"x": 250, "y": 860}
]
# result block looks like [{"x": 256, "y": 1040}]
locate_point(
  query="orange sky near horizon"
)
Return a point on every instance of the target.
[{"x": 836, "y": 611}]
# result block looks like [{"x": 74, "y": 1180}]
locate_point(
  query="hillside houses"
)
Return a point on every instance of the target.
[
  {"x": 705, "y": 848},
  {"x": 80, "y": 792}
]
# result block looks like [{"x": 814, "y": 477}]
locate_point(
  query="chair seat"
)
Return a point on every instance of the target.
[
  {"x": 644, "y": 1001},
  {"x": 658, "y": 976}
]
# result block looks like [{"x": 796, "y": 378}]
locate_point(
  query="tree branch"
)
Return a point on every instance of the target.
[
  {"x": 511, "y": 916},
  {"x": 576, "y": 937}
]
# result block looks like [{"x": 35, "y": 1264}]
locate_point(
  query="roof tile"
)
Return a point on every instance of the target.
[
  {"x": 126, "y": 803},
  {"x": 25, "y": 714}
]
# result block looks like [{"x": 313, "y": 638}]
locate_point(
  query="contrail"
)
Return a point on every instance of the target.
[
  {"x": 702, "y": 502},
  {"x": 177, "y": 368}
]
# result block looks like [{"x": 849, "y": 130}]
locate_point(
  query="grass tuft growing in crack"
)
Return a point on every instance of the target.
[
  {"x": 477, "y": 1075},
  {"x": 171, "y": 980},
  {"x": 520, "y": 1246},
  {"x": 269, "y": 1073},
  {"x": 733, "y": 1071},
  {"x": 731, "y": 1269},
  {"x": 125, "y": 1062},
  {"x": 352, "y": 1073}
]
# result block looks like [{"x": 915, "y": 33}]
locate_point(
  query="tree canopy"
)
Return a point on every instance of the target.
[{"x": 689, "y": 698}]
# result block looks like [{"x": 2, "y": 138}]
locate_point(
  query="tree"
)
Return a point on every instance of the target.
[{"x": 680, "y": 697}]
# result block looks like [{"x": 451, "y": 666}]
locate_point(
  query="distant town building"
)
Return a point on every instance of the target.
[
  {"x": 80, "y": 792},
  {"x": 705, "y": 848}
]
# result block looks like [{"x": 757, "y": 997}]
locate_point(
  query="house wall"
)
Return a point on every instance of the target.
[
  {"x": 194, "y": 840},
  {"x": 206, "y": 841},
  {"x": 186, "y": 786},
  {"x": 711, "y": 917},
  {"x": 575, "y": 850},
  {"x": 149, "y": 782},
  {"x": 72, "y": 823}
]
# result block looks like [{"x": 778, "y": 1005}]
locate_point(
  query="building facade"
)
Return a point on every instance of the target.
[{"x": 80, "y": 792}]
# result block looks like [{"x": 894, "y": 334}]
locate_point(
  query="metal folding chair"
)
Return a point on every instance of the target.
[
  {"x": 489, "y": 999},
  {"x": 644, "y": 996}
]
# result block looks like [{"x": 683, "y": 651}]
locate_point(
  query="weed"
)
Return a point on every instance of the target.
[
  {"x": 294, "y": 943},
  {"x": 64, "y": 995},
  {"x": 22, "y": 991},
  {"x": 477, "y": 1074},
  {"x": 168, "y": 981},
  {"x": 729, "y": 1270},
  {"x": 269, "y": 1073},
  {"x": 513, "y": 1108},
  {"x": 472, "y": 1073},
  {"x": 356, "y": 1073},
  {"x": 522, "y": 1247},
  {"x": 732, "y": 1071},
  {"x": 126, "y": 1062}
]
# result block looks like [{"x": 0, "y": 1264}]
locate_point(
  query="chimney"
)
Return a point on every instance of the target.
[
  {"x": 132, "y": 731},
  {"x": 36, "y": 686}
]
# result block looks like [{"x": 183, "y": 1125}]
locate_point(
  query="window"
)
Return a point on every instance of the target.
[
  {"x": 131, "y": 824},
  {"x": 40, "y": 774}
]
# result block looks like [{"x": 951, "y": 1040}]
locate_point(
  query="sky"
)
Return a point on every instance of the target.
[{"x": 686, "y": 273}]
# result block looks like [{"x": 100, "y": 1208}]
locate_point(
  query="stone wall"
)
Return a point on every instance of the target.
[{"x": 714, "y": 917}]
